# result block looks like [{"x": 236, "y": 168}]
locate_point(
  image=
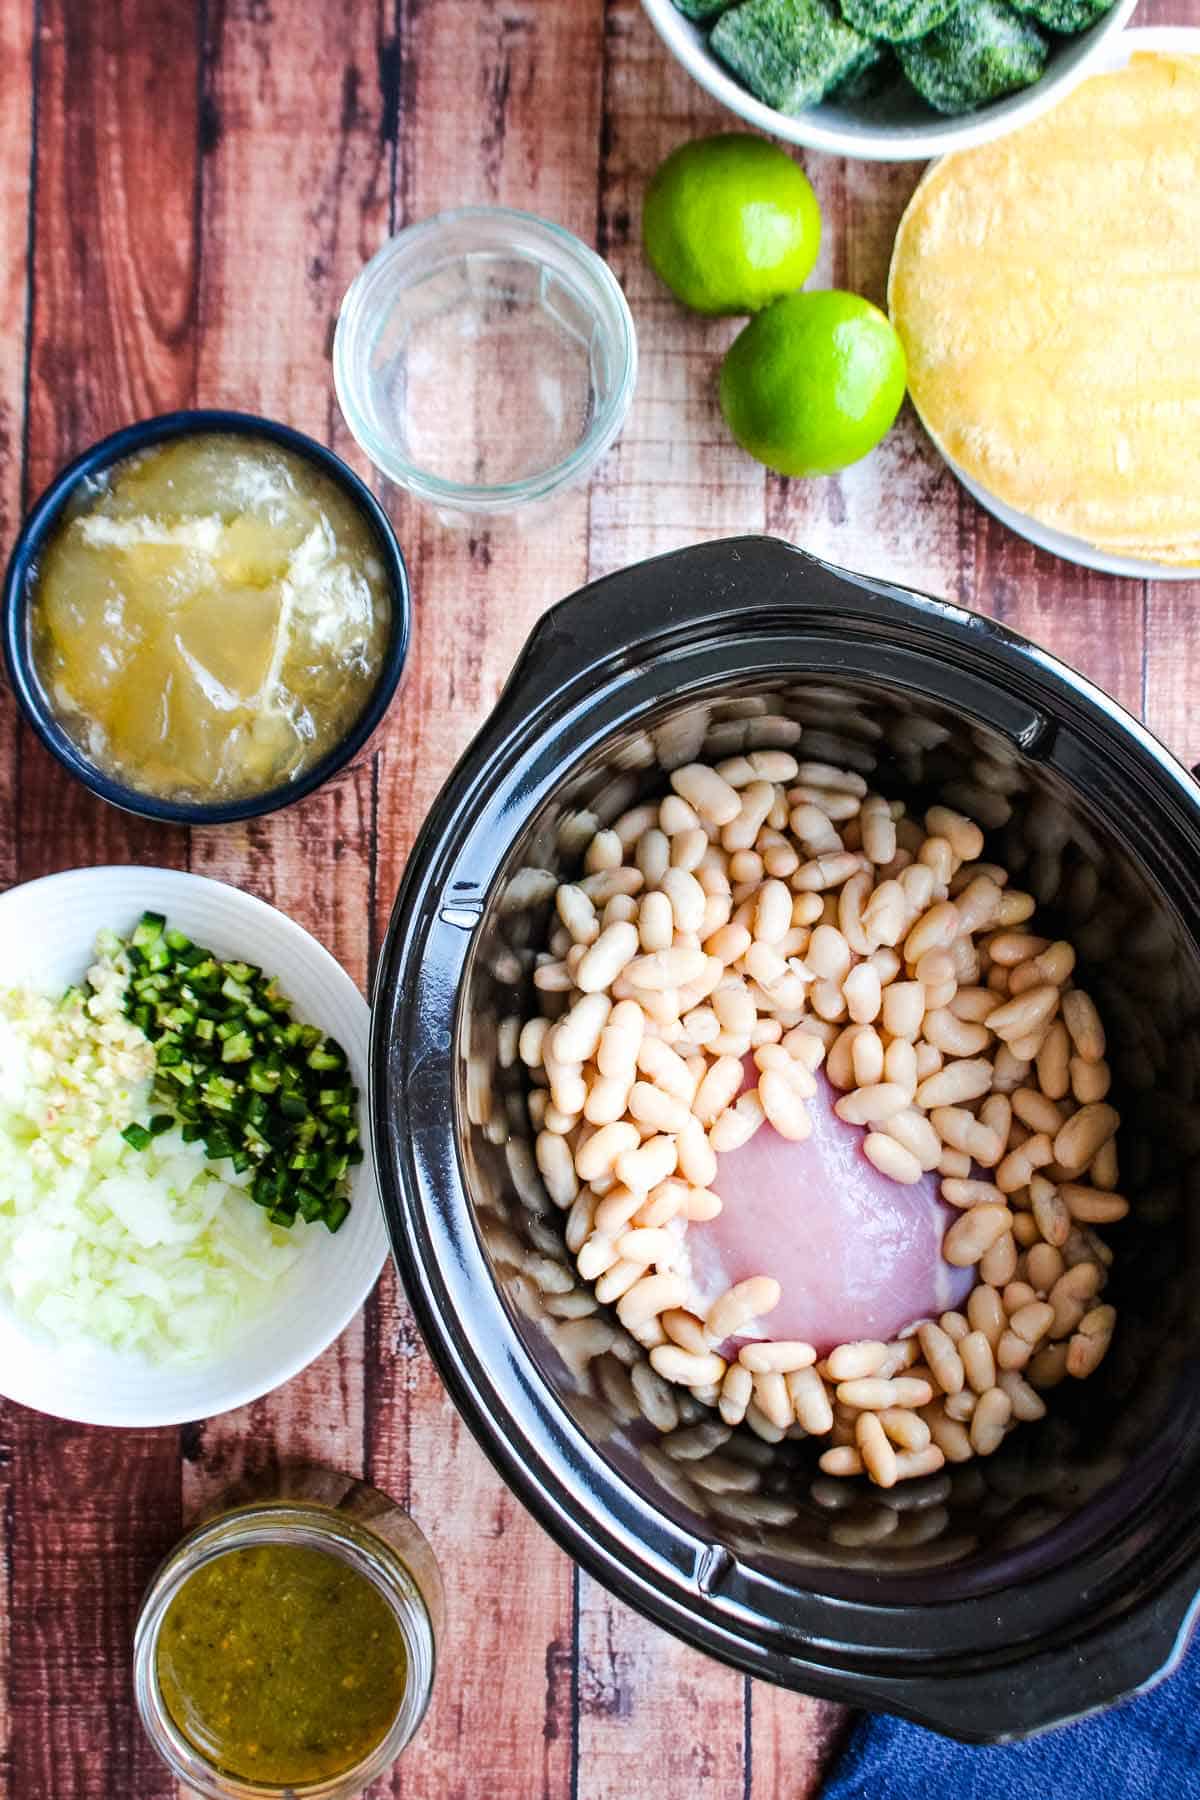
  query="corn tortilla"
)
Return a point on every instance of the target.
[{"x": 1046, "y": 288}]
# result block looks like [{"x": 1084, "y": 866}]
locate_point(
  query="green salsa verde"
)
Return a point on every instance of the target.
[{"x": 281, "y": 1664}]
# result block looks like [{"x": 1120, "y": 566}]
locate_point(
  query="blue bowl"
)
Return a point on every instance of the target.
[{"x": 21, "y": 576}]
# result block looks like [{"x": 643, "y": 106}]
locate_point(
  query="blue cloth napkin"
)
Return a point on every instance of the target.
[{"x": 1145, "y": 1749}]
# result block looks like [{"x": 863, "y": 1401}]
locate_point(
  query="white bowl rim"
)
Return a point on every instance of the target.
[
  {"x": 232, "y": 1393},
  {"x": 1178, "y": 40},
  {"x": 882, "y": 144}
]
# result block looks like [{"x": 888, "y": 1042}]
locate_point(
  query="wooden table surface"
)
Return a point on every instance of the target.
[{"x": 186, "y": 188}]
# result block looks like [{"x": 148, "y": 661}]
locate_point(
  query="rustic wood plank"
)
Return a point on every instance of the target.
[
  {"x": 295, "y": 192},
  {"x": 314, "y": 128},
  {"x": 474, "y": 127},
  {"x": 115, "y": 233},
  {"x": 899, "y": 512},
  {"x": 1093, "y": 621},
  {"x": 114, "y": 275},
  {"x": 295, "y": 186},
  {"x": 16, "y": 144},
  {"x": 654, "y": 1715},
  {"x": 16, "y": 148},
  {"x": 1171, "y": 677},
  {"x": 793, "y": 1739},
  {"x": 674, "y": 477},
  {"x": 113, "y": 278},
  {"x": 1172, "y": 674},
  {"x": 6, "y": 1522},
  {"x": 317, "y": 1419},
  {"x": 93, "y": 1513},
  {"x": 500, "y": 1719},
  {"x": 476, "y": 124}
]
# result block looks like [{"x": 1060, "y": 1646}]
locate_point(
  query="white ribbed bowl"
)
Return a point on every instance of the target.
[
  {"x": 47, "y": 931},
  {"x": 895, "y": 126}
]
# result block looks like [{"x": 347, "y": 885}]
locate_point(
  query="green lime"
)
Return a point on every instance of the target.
[
  {"x": 730, "y": 223},
  {"x": 813, "y": 383}
]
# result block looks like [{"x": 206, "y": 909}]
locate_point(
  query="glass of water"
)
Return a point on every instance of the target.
[{"x": 485, "y": 360}]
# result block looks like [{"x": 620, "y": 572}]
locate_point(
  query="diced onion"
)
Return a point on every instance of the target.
[{"x": 150, "y": 1251}]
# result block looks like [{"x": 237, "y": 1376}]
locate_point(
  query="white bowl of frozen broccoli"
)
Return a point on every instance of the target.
[{"x": 887, "y": 80}]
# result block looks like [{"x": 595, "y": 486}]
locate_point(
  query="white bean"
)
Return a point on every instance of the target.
[
  {"x": 784, "y": 1356},
  {"x": 903, "y": 1005},
  {"x": 645, "y": 1167},
  {"x": 647, "y": 1298},
  {"x": 718, "y": 1089},
  {"x": 891, "y": 1158},
  {"x": 828, "y": 954},
  {"x": 697, "y": 1159},
  {"x": 975, "y": 1232},
  {"x": 653, "y": 855},
  {"x": 772, "y": 912},
  {"x": 599, "y": 1155},
  {"x": 667, "y": 1070},
  {"x": 650, "y": 1106},
  {"x": 577, "y": 1034},
  {"x": 810, "y": 1399},
  {"x": 912, "y": 1130},
  {"x": 705, "y": 790},
  {"x": 554, "y": 1161},
  {"x": 664, "y": 969},
  {"x": 655, "y": 922},
  {"x": 869, "y": 1105},
  {"x": 687, "y": 898},
  {"x": 605, "y": 959},
  {"x": 783, "y": 1106},
  {"x": 676, "y": 816},
  {"x": 737, "y": 1124},
  {"x": 863, "y": 993},
  {"x": 739, "y": 1305},
  {"x": 529, "y": 1044},
  {"x": 956, "y": 1083},
  {"x": 682, "y": 1366},
  {"x": 936, "y": 929}
]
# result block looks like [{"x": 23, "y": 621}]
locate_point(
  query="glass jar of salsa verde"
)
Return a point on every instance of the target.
[{"x": 286, "y": 1646}]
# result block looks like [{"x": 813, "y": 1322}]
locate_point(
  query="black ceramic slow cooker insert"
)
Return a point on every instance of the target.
[{"x": 999, "y": 1596}]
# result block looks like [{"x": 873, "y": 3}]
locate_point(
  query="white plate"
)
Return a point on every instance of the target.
[
  {"x": 1071, "y": 549},
  {"x": 1176, "y": 40},
  {"x": 47, "y": 931},
  {"x": 894, "y": 126}
]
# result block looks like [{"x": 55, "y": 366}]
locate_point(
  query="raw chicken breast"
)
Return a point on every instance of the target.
[{"x": 857, "y": 1255}]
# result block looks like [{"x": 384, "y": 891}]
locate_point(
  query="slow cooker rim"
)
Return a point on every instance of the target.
[{"x": 475, "y": 772}]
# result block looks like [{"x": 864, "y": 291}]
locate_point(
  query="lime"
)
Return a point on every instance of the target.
[
  {"x": 813, "y": 383},
  {"x": 730, "y": 223}
]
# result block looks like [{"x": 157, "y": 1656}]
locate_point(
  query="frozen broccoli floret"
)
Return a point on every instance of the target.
[
  {"x": 790, "y": 53},
  {"x": 869, "y": 80},
  {"x": 983, "y": 50},
  {"x": 701, "y": 11},
  {"x": 896, "y": 21},
  {"x": 1066, "y": 16}
]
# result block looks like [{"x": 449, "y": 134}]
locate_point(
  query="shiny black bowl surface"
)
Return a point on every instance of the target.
[{"x": 21, "y": 577}]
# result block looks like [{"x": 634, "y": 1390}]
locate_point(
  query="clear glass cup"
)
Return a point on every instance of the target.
[
  {"x": 485, "y": 360},
  {"x": 320, "y": 1510}
]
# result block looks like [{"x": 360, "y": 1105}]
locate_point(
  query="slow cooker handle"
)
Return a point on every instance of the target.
[
  {"x": 703, "y": 584},
  {"x": 1121, "y": 1658},
  {"x": 746, "y": 586}
]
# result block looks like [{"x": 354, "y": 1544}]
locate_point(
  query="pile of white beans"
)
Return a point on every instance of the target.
[{"x": 780, "y": 908}]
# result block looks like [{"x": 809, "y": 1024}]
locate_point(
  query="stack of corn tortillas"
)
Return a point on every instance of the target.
[{"x": 1047, "y": 291}]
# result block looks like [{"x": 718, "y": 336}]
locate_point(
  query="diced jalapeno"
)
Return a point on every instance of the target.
[{"x": 259, "y": 1088}]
